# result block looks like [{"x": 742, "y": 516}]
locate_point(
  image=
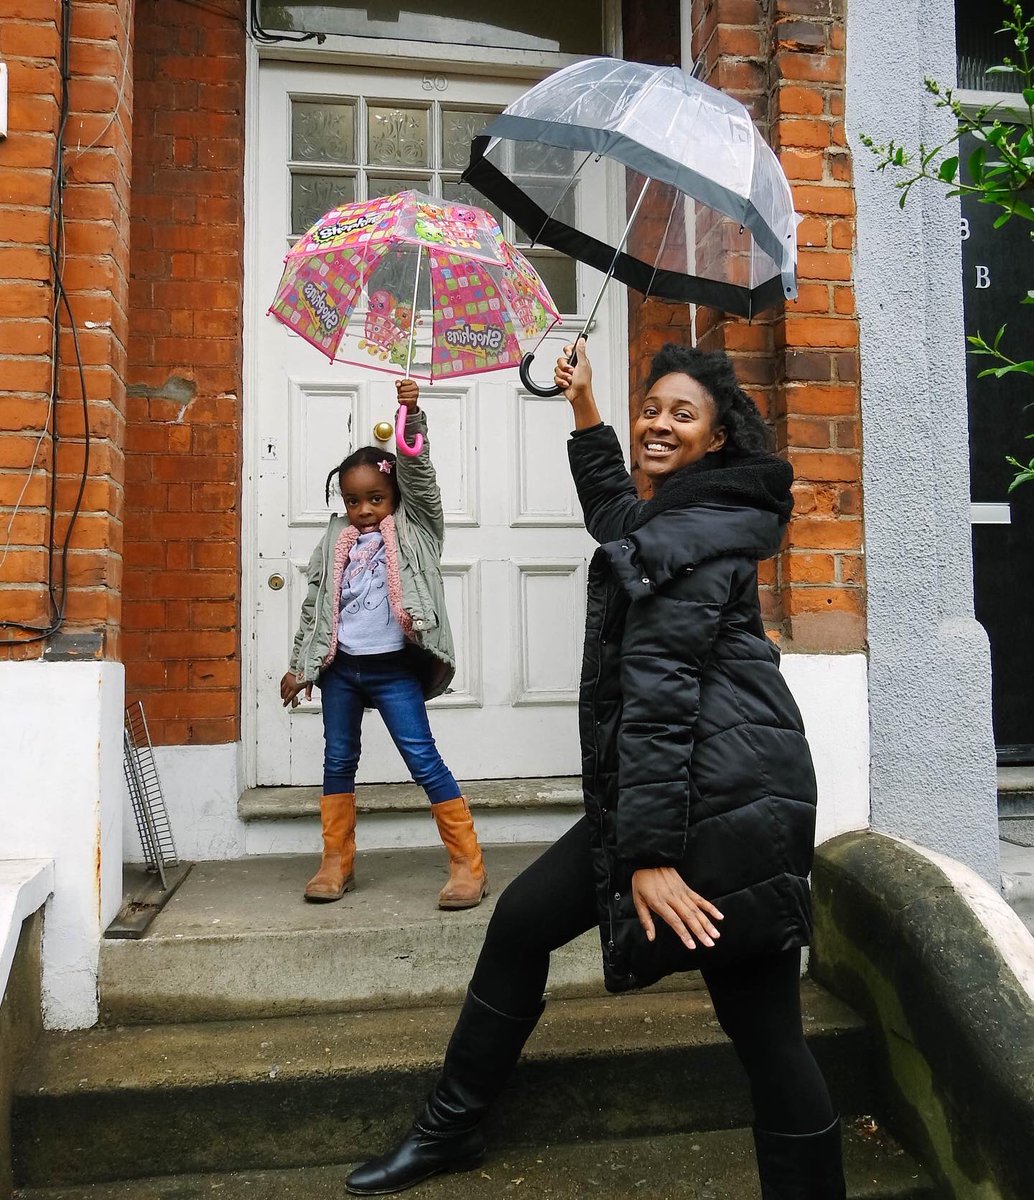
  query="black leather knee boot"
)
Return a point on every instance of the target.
[
  {"x": 482, "y": 1052},
  {"x": 805, "y": 1166}
]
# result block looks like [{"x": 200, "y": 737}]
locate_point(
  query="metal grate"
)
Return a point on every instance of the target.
[{"x": 145, "y": 792}]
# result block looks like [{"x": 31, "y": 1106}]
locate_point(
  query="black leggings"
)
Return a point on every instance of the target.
[{"x": 757, "y": 1002}]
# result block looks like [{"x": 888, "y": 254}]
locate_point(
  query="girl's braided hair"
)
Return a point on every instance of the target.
[
  {"x": 746, "y": 434},
  {"x": 366, "y": 456}
]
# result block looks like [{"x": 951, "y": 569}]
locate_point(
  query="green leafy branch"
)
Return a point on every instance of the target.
[
  {"x": 1000, "y": 169},
  {"x": 979, "y": 347}
]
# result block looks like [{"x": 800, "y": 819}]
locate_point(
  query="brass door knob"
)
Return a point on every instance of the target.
[{"x": 383, "y": 431}]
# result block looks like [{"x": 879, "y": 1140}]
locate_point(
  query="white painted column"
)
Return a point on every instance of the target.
[{"x": 61, "y": 798}]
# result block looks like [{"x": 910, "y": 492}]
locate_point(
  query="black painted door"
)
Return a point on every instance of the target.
[{"x": 998, "y": 271}]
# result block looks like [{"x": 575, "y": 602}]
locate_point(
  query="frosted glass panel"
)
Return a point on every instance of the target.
[
  {"x": 458, "y": 130},
  {"x": 313, "y": 195},
  {"x": 398, "y": 136},
  {"x": 323, "y": 131},
  {"x": 378, "y": 185}
]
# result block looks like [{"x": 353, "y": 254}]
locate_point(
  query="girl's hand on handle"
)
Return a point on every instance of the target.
[
  {"x": 663, "y": 891},
  {"x": 291, "y": 687},
  {"x": 576, "y": 383},
  {"x": 408, "y": 392}
]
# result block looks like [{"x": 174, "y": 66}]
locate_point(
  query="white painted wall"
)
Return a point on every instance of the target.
[
  {"x": 61, "y": 798},
  {"x": 203, "y": 783},
  {"x": 832, "y": 693}
]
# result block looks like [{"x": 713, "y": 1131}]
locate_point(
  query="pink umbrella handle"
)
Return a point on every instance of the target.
[{"x": 401, "y": 445}]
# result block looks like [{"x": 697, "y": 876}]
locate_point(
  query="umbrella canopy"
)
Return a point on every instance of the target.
[
  {"x": 410, "y": 255},
  {"x": 714, "y": 221}
]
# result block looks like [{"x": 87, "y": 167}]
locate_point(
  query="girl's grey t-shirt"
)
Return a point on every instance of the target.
[{"x": 366, "y": 624}]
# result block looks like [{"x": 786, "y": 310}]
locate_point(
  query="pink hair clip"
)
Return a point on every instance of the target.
[{"x": 385, "y": 465}]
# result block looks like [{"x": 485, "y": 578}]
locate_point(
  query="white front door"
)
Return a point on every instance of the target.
[{"x": 515, "y": 550}]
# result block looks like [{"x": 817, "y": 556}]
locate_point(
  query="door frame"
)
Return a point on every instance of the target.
[{"x": 254, "y": 309}]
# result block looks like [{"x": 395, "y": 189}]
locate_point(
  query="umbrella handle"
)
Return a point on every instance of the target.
[
  {"x": 401, "y": 445},
  {"x": 525, "y": 373}
]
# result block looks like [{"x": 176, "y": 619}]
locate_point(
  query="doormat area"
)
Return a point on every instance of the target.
[{"x": 1017, "y": 830}]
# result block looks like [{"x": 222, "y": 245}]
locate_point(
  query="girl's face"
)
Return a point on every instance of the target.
[
  {"x": 368, "y": 495},
  {"x": 676, "y": 426}
]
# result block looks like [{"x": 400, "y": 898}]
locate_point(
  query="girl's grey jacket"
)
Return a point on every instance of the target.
[{"x": 413, "y": 540}]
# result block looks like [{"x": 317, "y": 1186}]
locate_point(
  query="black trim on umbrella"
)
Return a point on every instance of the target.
[
  {"x": 644, "y": 277},
  {"x": 639, "y": 158}
]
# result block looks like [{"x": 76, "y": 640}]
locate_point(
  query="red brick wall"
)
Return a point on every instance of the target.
[
  {"x": 94, "y": 272},
  {"x": 787, "y": 63},
  {"x": 183, "y": 440}
]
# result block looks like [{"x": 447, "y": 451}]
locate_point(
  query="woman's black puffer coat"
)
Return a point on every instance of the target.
[{"x": 693, "y": 749}]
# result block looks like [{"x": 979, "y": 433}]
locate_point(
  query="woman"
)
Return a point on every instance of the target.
[{"x": 699, "y": 792}]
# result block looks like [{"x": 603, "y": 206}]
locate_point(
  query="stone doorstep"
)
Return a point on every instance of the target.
[
  {"x": 307, "y": 1091},
  {"x": 290, "y": 803},
  {"x": 1016, "y": 791},
  {"x": 718, "y": 1165},
  {"x": 238, "y": 941}
]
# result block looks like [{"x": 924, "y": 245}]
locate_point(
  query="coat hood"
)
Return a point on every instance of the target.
[
  {"x": 703, "y": 512},
  {"x": 676, "y": 541}
]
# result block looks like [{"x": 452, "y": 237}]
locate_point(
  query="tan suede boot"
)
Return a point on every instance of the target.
[
  {"x": 468, "y": 882},
  {"x": 336, "y": 874}
]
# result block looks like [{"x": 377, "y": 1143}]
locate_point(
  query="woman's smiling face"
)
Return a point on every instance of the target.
[{"x": 676, "y": 426}]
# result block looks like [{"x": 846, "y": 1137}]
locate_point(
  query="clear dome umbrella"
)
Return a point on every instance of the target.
[{"x": 712, "y": 219}]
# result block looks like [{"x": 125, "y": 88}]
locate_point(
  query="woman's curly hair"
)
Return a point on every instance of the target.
[{"x": 746, "y": 434}]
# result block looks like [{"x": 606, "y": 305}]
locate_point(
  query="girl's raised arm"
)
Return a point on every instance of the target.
[{"x": 418, "y": 483}]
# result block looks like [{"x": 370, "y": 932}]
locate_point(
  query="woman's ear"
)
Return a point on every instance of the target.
[{"x": 717, "y": 439}]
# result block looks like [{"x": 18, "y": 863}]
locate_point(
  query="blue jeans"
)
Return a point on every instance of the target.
[{"x": 353, "y": 682}]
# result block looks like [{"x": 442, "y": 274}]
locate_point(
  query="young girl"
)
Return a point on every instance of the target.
[
  {"x": 374, "y": 634},
  {"x": 699, "y": 823}
]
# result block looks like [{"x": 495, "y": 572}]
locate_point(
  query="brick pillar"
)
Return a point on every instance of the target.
[
  {"x": 184, "y": 420},
  {"x": 43, "y": 457},
  {"x": 801, "y": 365}
]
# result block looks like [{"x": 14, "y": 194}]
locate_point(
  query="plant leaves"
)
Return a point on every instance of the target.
[{"x": 948, "y": 169}]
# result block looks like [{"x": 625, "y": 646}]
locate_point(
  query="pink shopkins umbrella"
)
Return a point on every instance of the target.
[{"x": 409, "y": 253}]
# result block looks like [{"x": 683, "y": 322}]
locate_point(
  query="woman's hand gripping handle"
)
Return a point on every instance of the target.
[{"x": 575, "y": 381}]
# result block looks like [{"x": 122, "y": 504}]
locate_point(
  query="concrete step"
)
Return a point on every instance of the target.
[
  {"x": 1016, "y": 791},
  {"x": 138, "y": 1101},
  {"x": 237, "y": 940},
  {"x": 285, "y": 820},
  {"x": 716, "y": 1165},
  {"x": 293, "y": 803}
]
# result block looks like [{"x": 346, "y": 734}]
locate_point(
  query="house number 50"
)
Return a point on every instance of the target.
[{"x": 435, "y": 83}]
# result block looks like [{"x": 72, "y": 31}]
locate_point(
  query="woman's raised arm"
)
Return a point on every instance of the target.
[{"x": 610, "y": 503}]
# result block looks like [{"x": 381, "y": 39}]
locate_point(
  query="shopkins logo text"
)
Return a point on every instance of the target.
[
  {"x": 340, "y": 228},
  {"x": 470, "y": 337},
  {"x": 322, "y": 306}
]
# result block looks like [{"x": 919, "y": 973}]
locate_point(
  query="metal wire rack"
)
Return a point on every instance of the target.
[{"x": 145, "y": 792}]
